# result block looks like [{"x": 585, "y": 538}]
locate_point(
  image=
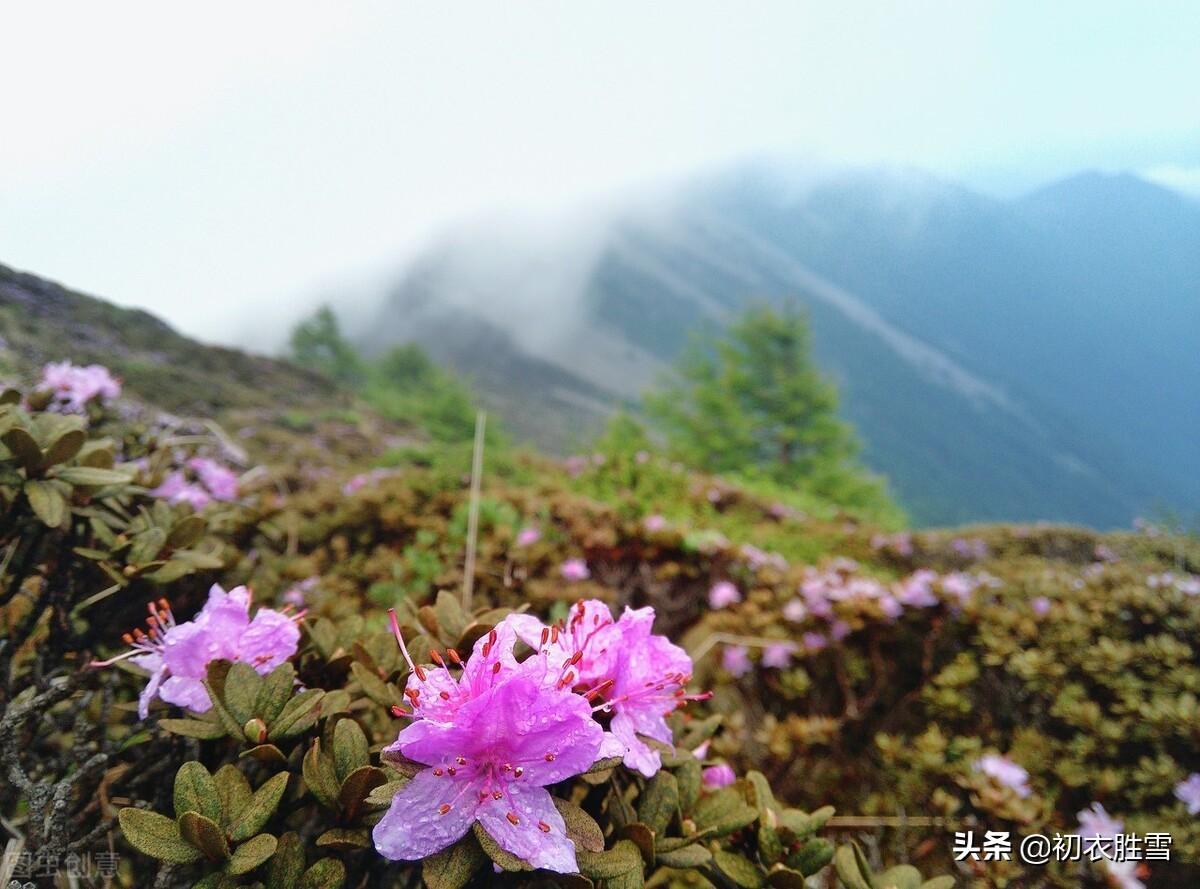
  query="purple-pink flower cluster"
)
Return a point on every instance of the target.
[
  {"x": 208, "y": 481},
  {"x": 177, "y": 655},
  {"x": 1004, "y": 772},
  {"x": 74, "y": 386},
  {"x": 493, "y": 732}
]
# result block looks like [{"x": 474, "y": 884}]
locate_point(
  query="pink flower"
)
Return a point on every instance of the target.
[
  {"x": 736, "y": 660},
  {"x": 1188, "y": 793},
  {"x": 575, "y": 466},
  {"x": 221, "y": 482},
  {"x": 360, "y": 481},
  {"x": 718, "y": 776},
  {"x": 1005, "y": 772},
  {"x": 575, "y": 569},
  {"x": 178, "y": 654},
  {"x": 794, "y": 611},
  {"x": 296, "y": 593},
  {"x": 778, "y": 655},
  {"x": 915, "y": 591},
  {"x": 839, "y": 630},
  {"x": 649, "y": 674},
  {"x": 175, "y": 488},
  {"x": 654, "y": 523},
  {"x": 75, "y": 386},
  {"x": 1096, "y": 822},
  {"x": 640, "y": 676},
  {"x": 813, "y": 642},
  {"x": 723, "y": 594},
  {"x": 890, "y": 606},
  {"x": 960, "y": 586},
  {"x": 528, "y": 536},
  {"x": 491, "y": 764},
  {"x": 1041, "y": 606},
  {"x": 1124, "y": 874}
]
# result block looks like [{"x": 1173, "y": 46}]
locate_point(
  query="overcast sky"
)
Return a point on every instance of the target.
[{"x": 212, "y": 160}]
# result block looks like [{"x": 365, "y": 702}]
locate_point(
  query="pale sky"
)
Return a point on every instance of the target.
[{"x": 218, "y": 160}]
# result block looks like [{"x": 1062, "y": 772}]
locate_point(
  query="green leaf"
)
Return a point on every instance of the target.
[
  {"x": 621, "y": 859},
  {"x": 93, "y": 477},
  {"x": 287, "y": 864},
  {"x": 298, "y": 715},
  {"x": 373, "y": 687},
  {"x": 320, "y": 777},
  {"x": 23, "y": 447},
  {"x": 945, "y": 882},
  {"x": 205, "y": 835},
  {"x": 258, "y": 811},
  {"x": 275, "y": 692},
  {"x": 738, "y": 868},
  {"x": 234, "y": 790},
  {"x": 186, "y": 531},
  {"x": 812, "y": 856},
  {"x": 242, "y": 685},
  {"x": 902, "y": 876},
  {"x": 47, "y": 503},
  {"x": 195, "y": 791},
  {"x": 328, "y": 873},
  {"x": 659, "y": 801},
  {"x": 582, "y": 828},
  {"x": 350, "y": 748},
  {"x": 345, "y": 839},
  {"x": 691, "y": 856},
  {"x": 357, "y": 787},
  {"x": 251, "y": 854},
  {"x": 761, "y": 795},
  {"x": 846, "y": 863},
  {"x": 193, "y": 728},
  {"x": 64, "y": 448},
  {"x": 785, "y": 878},
  {"x": 453, "y": 868},
  {"x": 451, "y": 618},
  {"x": 688, "y": 776},
  {"x": 724, "y": 812},
  {"x": 157, "y": 836}
]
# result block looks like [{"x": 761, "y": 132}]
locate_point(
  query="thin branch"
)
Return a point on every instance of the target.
[{"x": 473, "y": 511}]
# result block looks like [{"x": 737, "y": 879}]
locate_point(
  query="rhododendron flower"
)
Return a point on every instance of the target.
[
  {"x": 813, "y": 642},
  {"x": 794, "y": 610},
  {"x": 1124, "y": 874},
  {"x": 178, "y": 654},
  {"x": 175, "y": 488},
  {"x": 295, "y": 595},
  {"x": 575, "y": 569},
  {"x": 220, "y": 481},
  {"x": 736, "y": 660},
  {"x": 360, "y": 481},
  {"x": 890, "y": 606},
  {"x": 718, "y": 776},
  {"x": 916, "y": 591},
  {"x": 575, "y": 466},
  {"x": 654, "y": 523},
  {"x": 649, "y": 674},
  {"x": 959, "y": 585},
  {"x": 723, "y": 594},
  {"x": 1096, "y": 822},
  {"x": 528, "y": 536},
  {"x": 1188, "y": 793},
  {"x": 839, "y": 630},
  {"x": 492, "y": 764},
  {"x": 75, "y": 386},
  {"x": 1005, "y": 772},
  {"x": 1041, "y": 606},
  {"x": 778, "y": 655}
]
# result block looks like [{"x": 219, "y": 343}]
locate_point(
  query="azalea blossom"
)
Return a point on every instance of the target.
[
  {"x": 654, "y": 523},
  {"x": 718, "y": 776},
  {"x": 1188, "y": 793},
  {"x": 813, "y": 642},
  {"x": 1041, "y": 606},
  {"x": 1125, "y": 874},
  {"x": 178, "y": 654},
  {"x": 778, "y": 655},
  {"x": 1005, "y": 772},
  {"x": 723, "y": 594},
  {"x": 220, "y": 481},
  {"x": 492, "y": 764},
  {"x": 175, "y": 488},
  {"x": 1094, "y": 821},
  {"x": 74, "y": 386},
  {"x": 528, "y": 536},
  {"x": 794, "y": 610},
  {"x": 736, "y": 660},
  {"x": 575, "y": 569},
  {"x": 916, "y": 591}
]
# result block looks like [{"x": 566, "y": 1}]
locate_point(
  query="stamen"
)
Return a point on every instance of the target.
[
  {"x": 454, "y": 657},
  {"x": 399, "y": 711},
  {"x": 550, "y": 757},
  {"x": 395, "y": 622},
  {"x": 543, "y": 827},
  {"x": 512, "y": 818},
  {"x": 443, "y": 808}
]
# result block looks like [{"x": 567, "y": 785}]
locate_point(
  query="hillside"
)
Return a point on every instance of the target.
[
  {"x": 1003, "y": 360},
  {"x": 41, "y": 321}
]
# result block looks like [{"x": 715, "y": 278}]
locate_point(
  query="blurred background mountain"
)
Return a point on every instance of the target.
[{"x": 1003, "y": 359}]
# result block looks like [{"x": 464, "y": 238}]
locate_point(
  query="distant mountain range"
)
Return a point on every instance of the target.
[{"x": 1018, "y": 359}]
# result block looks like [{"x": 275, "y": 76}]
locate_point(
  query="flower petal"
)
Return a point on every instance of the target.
[
  {"x": 539, "y": 836},
  {"x": 150, "y": 691},
  {"x": 186, "y": 692},
  {"x": 414, "y": 827},
  {"x": 638, "y": 754},
  {"x": 269, "y": 640}
]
